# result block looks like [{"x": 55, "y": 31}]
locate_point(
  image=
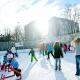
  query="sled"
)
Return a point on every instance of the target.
[
  {"x": 12, "y": 69},
  {"x": 3, "y": 77}
]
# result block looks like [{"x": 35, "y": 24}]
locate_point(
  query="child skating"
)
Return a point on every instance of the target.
[{"x": 32, "y": 53}]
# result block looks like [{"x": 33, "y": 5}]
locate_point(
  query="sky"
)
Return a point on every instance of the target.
[{"x": 21, "y": 12}]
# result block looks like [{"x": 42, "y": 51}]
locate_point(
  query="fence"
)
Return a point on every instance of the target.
[{"x": 5, "y": 45}]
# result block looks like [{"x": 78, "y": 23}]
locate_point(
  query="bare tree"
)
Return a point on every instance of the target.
[
  {"x": 72, "y": 13},
  {"x": 18, "y": 34}
]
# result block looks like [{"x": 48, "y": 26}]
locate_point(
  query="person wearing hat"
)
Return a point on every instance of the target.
[{"x": 14, "y": 64}]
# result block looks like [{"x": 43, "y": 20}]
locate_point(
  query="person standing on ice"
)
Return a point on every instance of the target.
[
  {"x": 32, "y": 52},
  {"x": 76, "y": 44},
  {"x": 14, "y": 51},
  {"x": 49, "y": 50},
  {"x": 65, "y": 48},
  {"x": 57, "y": 55}
]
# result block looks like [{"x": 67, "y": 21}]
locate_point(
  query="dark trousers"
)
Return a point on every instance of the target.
[
  {"x": 57, "y": 63},
  {"x": 78, "y": 64},
  {"x": 51, "y": 52},
  {"x": 17, "y": 74}
]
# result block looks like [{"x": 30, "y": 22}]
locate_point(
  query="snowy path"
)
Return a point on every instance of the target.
[{"x": 44, "y": 69}]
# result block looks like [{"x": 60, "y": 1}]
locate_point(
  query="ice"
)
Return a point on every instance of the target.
[{"x": 43, "y": 69}]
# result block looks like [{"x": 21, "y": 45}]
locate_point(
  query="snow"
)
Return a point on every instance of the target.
[{"x": 43, "y": 69}]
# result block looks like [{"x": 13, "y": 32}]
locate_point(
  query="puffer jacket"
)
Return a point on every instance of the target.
[{"x": 57, "y": 51}]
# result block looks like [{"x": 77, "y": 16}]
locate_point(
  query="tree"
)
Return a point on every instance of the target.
[
  {"x": 18, "y": 35},
  {"x": 6, "y": 37},
  {"x": 72, "y": 13}
]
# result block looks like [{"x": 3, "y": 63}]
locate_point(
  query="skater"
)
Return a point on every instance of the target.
[
  {"x": 14, "y": 51},
  {"x": 76, "y": 43},
  {"x": 13, "y": 65},
  {"x": 65, "y": 47},
  {"x": 45, "y": 49},
  {"x": 50, "y": 50},
  {"x": 32, "y": 55},
  {"x": 69, "y": 46},
  {"x": 42, "y": 49},
  {"x": 9, "y": 51},
  {"x": 57, "y": 55}
]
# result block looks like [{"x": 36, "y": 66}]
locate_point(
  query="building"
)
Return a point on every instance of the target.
[
  {"x": 58, "y": 27},
  {"x": 62, "y": 29},
  {"x": 61, "y": 26}
]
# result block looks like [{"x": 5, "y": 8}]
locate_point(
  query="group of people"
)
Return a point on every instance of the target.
[
  {"x": 56, "y": 52},
  {"x": 10, "y": 63}
]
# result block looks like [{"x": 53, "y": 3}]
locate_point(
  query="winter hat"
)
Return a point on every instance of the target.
[{"x": 9, "y": 56}]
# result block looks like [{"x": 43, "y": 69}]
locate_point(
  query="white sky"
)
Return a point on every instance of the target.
[{"x": 14, "y": 11}]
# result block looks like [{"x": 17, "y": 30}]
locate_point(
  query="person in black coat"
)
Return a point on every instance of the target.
[{"x": 57, "y": 55}]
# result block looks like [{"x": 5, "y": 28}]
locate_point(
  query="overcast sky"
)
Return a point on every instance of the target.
[{"x": 13, "y": 12}]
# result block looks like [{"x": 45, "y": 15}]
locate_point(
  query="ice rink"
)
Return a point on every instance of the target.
[{"x": 43, "y": 69}]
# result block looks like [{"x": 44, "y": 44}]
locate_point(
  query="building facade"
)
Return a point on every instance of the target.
[
  {"x": 58, "y": 27},
  {"x": 61, "y": 26}
]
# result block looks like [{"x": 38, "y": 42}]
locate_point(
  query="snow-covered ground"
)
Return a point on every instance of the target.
[{"x": 43, "y": 69}]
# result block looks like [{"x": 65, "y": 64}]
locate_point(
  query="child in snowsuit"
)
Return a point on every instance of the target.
[
  {"x": 14, "y": 64},
  {"x": 57, "y": 55},
  {"x": 32, "y": 55}
]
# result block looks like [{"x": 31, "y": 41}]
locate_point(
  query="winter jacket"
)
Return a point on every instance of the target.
[
  {"x": 32, "y": 52},
  {"x": 57, "y": 51},
  {"x": 49, "y": 48},
  {"x": 77, "y": 49},
  {"x": 14, "y": 63}
]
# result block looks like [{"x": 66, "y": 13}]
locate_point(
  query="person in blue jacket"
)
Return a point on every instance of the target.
[
  {"x": 50, "y": 50},
  {"x": 14, "y": 63}
]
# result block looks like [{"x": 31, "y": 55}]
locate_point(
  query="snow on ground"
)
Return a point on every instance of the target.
[{"x": 43, "y": 69}]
